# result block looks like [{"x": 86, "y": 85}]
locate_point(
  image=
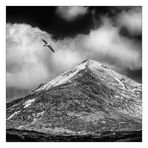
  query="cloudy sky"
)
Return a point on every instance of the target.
[{"x": 110, "y": 35}]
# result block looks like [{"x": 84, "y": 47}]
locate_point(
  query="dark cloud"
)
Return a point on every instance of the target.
[{"x": 46, "y": 18}]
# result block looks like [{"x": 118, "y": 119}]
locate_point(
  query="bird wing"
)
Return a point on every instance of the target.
[
  {"x": 50, "y": 48},
  {"x": 44, "y": 41}
]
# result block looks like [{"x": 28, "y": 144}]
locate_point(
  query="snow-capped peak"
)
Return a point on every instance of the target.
[
  {"x": 97, "y": 69},
  {"x": 63, "y": 78}
]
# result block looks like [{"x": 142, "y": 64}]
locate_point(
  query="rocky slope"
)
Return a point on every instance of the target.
[{"x": 89, "y": 99}]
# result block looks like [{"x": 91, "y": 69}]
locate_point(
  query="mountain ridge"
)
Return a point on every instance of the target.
[{"x": 86, "y": 64}]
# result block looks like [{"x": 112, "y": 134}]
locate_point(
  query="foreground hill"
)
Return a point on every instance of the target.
[{"x": 15, "y": 135}]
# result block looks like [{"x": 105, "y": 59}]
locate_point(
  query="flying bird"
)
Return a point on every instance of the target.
[{"x": 47, "y": 45}]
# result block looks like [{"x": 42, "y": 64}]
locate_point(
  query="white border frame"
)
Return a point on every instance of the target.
[{"x": 4, "y": 3}]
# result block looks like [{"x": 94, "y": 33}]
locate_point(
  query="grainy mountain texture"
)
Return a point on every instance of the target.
[{"x": 87, "y": 100}]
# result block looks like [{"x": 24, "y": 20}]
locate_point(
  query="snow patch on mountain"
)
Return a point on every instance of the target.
[
  {"x": 13, "y": 115},
  {"x": 93, "y": 64},
  {"x": 119, "y": 82},
  {"x": 28, "y": 103},
  {"x": 20, "y": 127}
]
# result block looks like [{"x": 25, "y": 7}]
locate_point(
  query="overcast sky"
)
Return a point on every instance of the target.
[{"x": 110, "y": 35}]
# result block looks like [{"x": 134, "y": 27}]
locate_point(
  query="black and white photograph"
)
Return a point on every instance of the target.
[{"x": 74, "y": 73}]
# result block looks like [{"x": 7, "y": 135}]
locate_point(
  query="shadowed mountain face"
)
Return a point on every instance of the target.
[{"x": 89, "y": 99}]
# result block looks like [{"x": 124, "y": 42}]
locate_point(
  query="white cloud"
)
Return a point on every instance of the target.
[
  {"x": 107, "y": 45},
  {"x": 131, "y": 20},
  {"x": 26, "y": 66},
  {"x": 29, "y": 63},
  {"x": 65, "y": 59},
  {"x": 28, "y": 77},
  {"x": 70, "y": 13}
]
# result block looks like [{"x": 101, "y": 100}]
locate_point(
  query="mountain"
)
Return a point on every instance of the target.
[{"x": 91, "y": 98}]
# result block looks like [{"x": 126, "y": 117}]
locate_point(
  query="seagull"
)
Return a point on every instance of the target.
[{"x": 47, "y": 45}]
